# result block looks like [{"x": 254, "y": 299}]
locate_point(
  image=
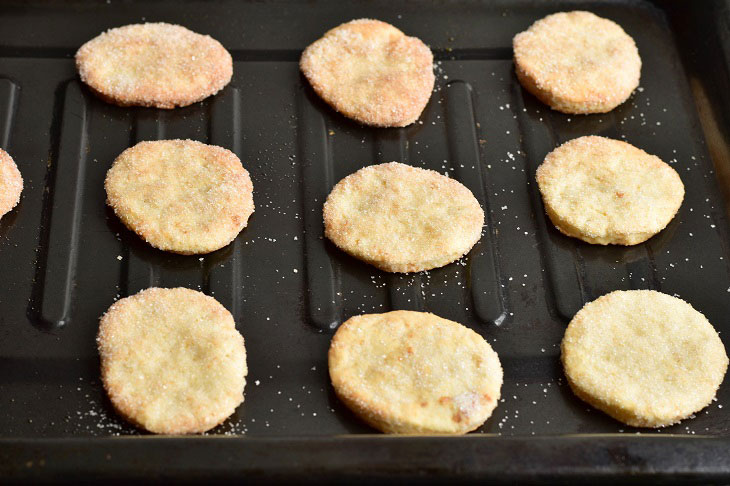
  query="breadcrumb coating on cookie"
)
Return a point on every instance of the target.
[
  {"x": 154, "y": 64},
  {"x": 402, "y": 218},
  {"x": 645, "y": 358},
  {"x": 371, "y": 72},
  {"x": 577, "y": 62},
  {"x": 11, "y": 183},
  {"x": 406, "y": 372},
  {"x": 181, "y": 196},
  {"x": 172, "y": 361},
  {"x": 606, "y": 191}
]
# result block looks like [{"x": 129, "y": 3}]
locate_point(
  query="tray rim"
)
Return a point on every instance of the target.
[{"x": 362, "y": 457}]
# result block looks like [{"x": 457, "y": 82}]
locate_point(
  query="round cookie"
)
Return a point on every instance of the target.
[
  {"x": 371, "y": 72},
  {"x": 577, "y": 62},
  {"x": 181, "y": 196},
  {"x": 11, "y": 183},
  {"x": 401, "y": 218},
  {"x": 154, "y": 64},
  {"x": 606, "y": 191},
  {"x": 172, "y": 361},
  {"x": 645, "y": 358},
  {"x": 406, "y": 372}
]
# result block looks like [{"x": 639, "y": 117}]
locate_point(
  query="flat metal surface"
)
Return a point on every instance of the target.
[{"x": 65, "y": 257}]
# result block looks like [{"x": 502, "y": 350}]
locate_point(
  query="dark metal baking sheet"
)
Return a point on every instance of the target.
[{"x": 64, "y": 257}]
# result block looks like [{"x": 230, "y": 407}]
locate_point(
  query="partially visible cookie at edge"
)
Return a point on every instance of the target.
[
  {"x": 577, "y": 62},
  {"x": 371, "y": 72},
  {"x": 406, "y": 372},
  {"x": 645, "y": 358},
  {"x": 11, "y": 183},
  {"x": 606, "y": 191},
  {"x": 172, "y": 361},
  {"x": 154, "y": 64},
  {"x": 181, "y": 196},
  {"x": 402, "y": 218}
]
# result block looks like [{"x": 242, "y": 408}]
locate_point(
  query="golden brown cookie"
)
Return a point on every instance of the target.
[
  {"x": 606, "y": 191},
  {"x": 577, "y": 62},
  {"x": 154, "y": 64},
  {"x": 181, "y": 196},
  {"x": 371, "y": 72},
  {"x": 11, "y": 183},
  {"x": 172, "y": 360},
  {"x": 401, "y": 218},
  {"x": 406, "y": 372},
  {"x": 645, "y": 358}
]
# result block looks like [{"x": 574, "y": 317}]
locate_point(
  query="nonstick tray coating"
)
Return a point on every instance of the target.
[{"x": 65, "y": 257}]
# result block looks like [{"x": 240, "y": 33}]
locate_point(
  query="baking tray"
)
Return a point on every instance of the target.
[{"x": 65, "y": 257}]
